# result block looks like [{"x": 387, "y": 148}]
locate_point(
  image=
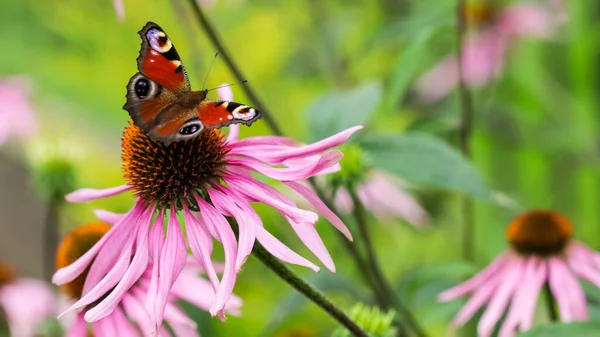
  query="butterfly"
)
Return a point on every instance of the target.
[{"x": 160, "y": 100}]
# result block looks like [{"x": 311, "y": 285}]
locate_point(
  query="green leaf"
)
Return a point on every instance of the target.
[
  {"x": 405, "y": 68},
  {"x": 337, "y": 111},
  {"x": 579, "y": 329},
  {"x": 423, "y": 159}
]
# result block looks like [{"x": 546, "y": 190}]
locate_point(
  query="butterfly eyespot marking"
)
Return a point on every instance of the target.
[
  {"x": 158, "y": 40},
  {"x": 142, "y": 87},
  {"x": 191, "y": 128}
]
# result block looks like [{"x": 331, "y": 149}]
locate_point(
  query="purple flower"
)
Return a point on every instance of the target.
[
  {"x": 208, "y": 179},
  {"x": 16, "y": 298},
  {"x": 541, "y": 254},
  {"x": 130, "y": 316},
  {"x": 484, "y": 52},
  {"x": 17, "y": 117}
]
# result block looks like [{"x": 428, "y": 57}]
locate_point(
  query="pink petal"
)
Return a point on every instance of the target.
[
  {"x": 291, "y": 173},
  {"x": 234, "y": 133},
  {"x": 108, "y": 217},
  {"x": 576, "y": 295},
  {"x": 248, "y": 147},
  {"x": 321, "y": 207},
  {"x": 156, "y": 240},
  {"x": 103, "y": 328},
  {"x": 201, "y": 245},
  {"x": 122, "y": 325},
  {"x": 119, "y": 9},
  {"x": 246, "y": 234},
  {"x": 210, "y": 215},
  {"x": 475, "y": 282},
  {"x": 79, "y": 327},
  {"x": 511, "y": 277},
  {"x": 138, "y": 265},
  {"x": 89, "y": 194},
  {"x": 480, "y": 297},
  {"x": 525, "y": 19},
  {"x": 138, "y": 313},
  {"x": 557, "y": 271},
  {"x": 72, "y": 271},
  {"x": 225, "y": 93},
  {"x": 172, "y": 260}
]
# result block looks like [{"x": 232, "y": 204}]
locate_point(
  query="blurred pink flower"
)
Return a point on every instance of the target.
[
  {"x": 384, "y": 196},
  {"x": 484, "y": 52},
  {"x": 17, "y": 117},
  {"x": 130, "y": 316},
  {"x": 190, "y": 176},
  {"x": 120, "y": 7},
  {"x": 542, "y": 254},
  {"x": 27, "y": 302}
]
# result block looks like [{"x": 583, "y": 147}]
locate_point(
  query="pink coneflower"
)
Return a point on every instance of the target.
[
  {"x": 17, "y": 117},
  {"x": 130, "y": 317},
  {"x": 542, "y": 254},
  {"x": 484, "y": 51},
  {"x": 207, "y": 178},
  {"x": 16, "y": 298}
]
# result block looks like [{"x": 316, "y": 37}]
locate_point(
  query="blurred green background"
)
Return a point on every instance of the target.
[{"x": 535, "y": 130}]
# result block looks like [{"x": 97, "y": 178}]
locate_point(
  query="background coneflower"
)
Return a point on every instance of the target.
[{"x": 542, "y": 254}]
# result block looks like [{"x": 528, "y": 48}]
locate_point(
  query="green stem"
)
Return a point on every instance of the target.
[
  {"x": 550, "y": 304},
  {"x": 465, "y": 134},
  {"x": 307, "y": 290},
  {"x": 237, "y": 73},
  {"x": 361, "y": 221},
  {"x": 51, "y": 236}
]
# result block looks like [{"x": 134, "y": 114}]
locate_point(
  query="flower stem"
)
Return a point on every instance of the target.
[
  {"x": 51, "y": 238},
  {"x": 237, "y": 73},
  {"x": 307, "y": 290},
  {"x": 361, "y": 220},
  {"x": 551, "y": 304},
  {"x": 465, "y": 134}
]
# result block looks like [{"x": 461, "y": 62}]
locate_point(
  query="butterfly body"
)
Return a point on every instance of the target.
[{"x": 160, "y": 100}]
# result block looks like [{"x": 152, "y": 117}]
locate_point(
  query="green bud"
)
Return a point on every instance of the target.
[
  {"x": 372, "y": 320},
  {"x": 354, "y": 168},
  {"x": 55, "y": 178}
]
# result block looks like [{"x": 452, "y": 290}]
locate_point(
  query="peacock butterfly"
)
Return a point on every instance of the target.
[{"x": 160, "y": 100}]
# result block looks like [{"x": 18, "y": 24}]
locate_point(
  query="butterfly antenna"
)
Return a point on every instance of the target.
[
  {"x": 228, "y": 85},
  {"x": 209, "y": 68}
]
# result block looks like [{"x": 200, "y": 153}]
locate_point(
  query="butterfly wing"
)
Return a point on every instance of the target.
[
  {"x": 152, "y": 92},
  {"x": 217, "y": 114}
]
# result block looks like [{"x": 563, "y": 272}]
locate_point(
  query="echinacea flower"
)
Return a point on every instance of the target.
[
  {"x": 130, "y": 318},
  {"x": 207, "y": 178},
  {"x": 542, "y": 254},
  {"x": 484, "y": 51},
  {"x": 16, "y": 298},
  {"x": 17, "y": 117}
]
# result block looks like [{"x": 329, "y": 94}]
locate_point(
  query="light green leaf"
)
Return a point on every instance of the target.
[
  {"x": 579, "y": 329},
  {"x": 423, "y": 159},
  {"x": 337, "y": 111}
]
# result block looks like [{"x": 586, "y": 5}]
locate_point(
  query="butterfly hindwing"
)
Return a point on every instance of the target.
[{"x": 217, "y": 114}]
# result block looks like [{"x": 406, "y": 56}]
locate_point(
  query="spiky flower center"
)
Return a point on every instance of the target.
[
  {"x": 7, "y": 272},
  {"x": 73, "y": 246},
  {"x": 165, "y": 175},
  {"x": 539, "y": 232}
]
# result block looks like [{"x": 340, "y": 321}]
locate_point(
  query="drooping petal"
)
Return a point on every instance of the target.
[
  {"x": 108, "y": 217},
  {"x": 121, "y": 324},
  {"x": 201, "y": 245},
  {"x": 249, "y": 148},
  {"x": 511, "y": 277},
  {"x": 311, "y": 197},
  {"x": 132, "y": 303},
  {"x": 172, "y": 260},
  {"x": 26, "y": 302},
  {"x": 246, "y": 235},
  {"x": 89, "y": 194},
  {"x": 78, "y": 328},
  {"x": 156, "y": 240},
  {"x": 476, "y": 281},
  {"x": 225, "y": 93},
  {"x": 557, "y": 271},
  {"x": 291, "y": 173},
  {"x": 119, "y": 9},
  {"x": 210, "y": 215},
  {"x": 480, "y": 297}
]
